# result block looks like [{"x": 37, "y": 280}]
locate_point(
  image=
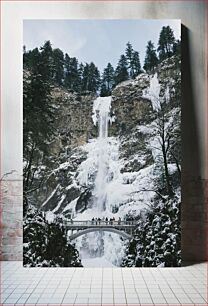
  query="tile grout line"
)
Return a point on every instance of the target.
[
  {"x": 168, "y": 287},
  {"x": 102, "y": 288},
  {"x": 147, "y": 288},
  {"x": 187, "y": 296},
  {"x": 135, "y": 287},
  {"x": 69, "y": 286}
]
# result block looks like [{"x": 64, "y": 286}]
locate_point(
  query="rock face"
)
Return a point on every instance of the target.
[
  {"x": 73, "y": 120},
  {"x": 61, "y": 191},
  {"x": 83, "y": 201},
  {"x": 129, "y": 106}
]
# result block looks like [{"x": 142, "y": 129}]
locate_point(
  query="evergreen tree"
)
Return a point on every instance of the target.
[
  {"x": 58, "y": 60},
  {"x": 85, "y": 77},
  {"x": 166, "y": 43},
  {"x": 72, "y": 74},
  {"x": 151, "y": 59},
  {"x": 38, "y": 111},
  {"x": 25, "y": 57},
  {"x": 133, "y": 60},
  {"x": 80, "y": 77},
  {"x": 90, "y": 78},
  {"x": 81, "y": 70},
  {"x": 129, "y": 52},
  {"x": 177, "y": 47},
  {"x": 94, "y": 78},
  {"x": 136, "y": 65},
  {"x": 107, "y": 81},
  {"x": 30, "y": 58},
  {"x": 121, "y": 72},
  {"x": 157, "y": 237},
  {"x": 67, "y": 77},
  {"x": 45, "y": 244},
  {"x": 103, "y": 89},
  {"x": 129, "y": 56},
  {"x": 47, "y": 60}
]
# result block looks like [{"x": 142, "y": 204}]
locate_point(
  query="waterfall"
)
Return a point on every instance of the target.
[
  {"x": 101, "y": 172},
  {"x": 153, "y": 92},
  {"x": 101, "y": 115}
]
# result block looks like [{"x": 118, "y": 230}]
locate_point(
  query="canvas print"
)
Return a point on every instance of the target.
[{"x": 102, "y": 143}]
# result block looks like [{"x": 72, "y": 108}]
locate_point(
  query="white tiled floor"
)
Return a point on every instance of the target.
[{"x": 98, "y": 286}]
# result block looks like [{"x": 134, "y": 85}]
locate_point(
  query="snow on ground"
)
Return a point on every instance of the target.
[
  {"x": 50, "y": 217},
  {"x": 97, "y": 262}
]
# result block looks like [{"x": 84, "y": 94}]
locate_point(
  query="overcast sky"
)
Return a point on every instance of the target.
[{"x": 100, "y": 41}]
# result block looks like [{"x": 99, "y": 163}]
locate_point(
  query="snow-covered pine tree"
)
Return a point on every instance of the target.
[
  {"x": 38, "y": 112},
  {"x": 45, "y": 243},
  {"x": 157, "y": 237}
]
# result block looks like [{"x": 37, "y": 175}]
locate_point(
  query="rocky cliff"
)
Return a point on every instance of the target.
[{"x": 134, "y": 109}]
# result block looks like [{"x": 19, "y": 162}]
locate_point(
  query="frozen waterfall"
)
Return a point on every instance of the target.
[
  {"x": 153, "y": 92},
  {"x": 101, "y": 115},
  {"x": 101, "y": 172}
]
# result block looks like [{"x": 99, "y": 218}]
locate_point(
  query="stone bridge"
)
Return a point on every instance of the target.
[{"x": 79, "y": 228}]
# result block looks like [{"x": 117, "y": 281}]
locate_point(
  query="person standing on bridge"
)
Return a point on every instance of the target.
[{"x": 106, "y": 220}]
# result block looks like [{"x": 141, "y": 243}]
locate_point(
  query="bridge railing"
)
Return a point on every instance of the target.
[{"x": 98, "y": 223}]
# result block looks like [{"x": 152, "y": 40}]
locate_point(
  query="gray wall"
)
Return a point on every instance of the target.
[{"x": 194, "y": 107}]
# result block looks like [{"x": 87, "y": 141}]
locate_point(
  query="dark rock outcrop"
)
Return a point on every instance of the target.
[
  {"x": 84, "y": 201},
  {"x": 128, "y": 105}
]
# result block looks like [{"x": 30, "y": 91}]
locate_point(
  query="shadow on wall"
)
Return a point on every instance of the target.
[{"x": 193, "y": 222}]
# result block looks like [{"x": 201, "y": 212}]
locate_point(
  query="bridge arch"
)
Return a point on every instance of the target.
[{"x": 94, "y": 229}]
